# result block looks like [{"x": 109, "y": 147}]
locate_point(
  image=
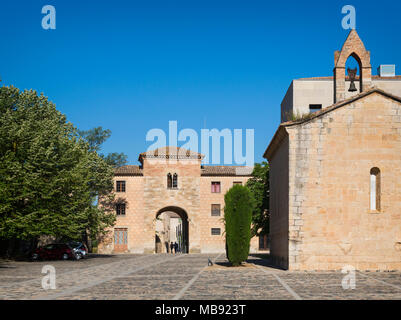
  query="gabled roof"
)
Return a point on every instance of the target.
[
  {"x": 170, "y": 153},
  {"x": 281, "y": 132}
]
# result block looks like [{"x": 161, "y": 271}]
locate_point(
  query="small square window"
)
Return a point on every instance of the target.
[
  {"x": 120, "y": 186},
  {"x": 216, "y": 231},
  {"x": 120, "y": 209},
  {"x": 216, "y": 187},
  {"x": 315, "y": 108},
  {"x": 237, "y": 183},
  {"x": 215, "y": 210}
]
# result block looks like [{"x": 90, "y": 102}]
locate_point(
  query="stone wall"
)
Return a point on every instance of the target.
[
  {"x": 134, "y": 219},
  {"x": 216, "y": 243},
  {"x": 157, "y": 196},
  {"x": 304, "y": 92},
  {"x": 148, "y": 195},
  {"x": 279, "y": 196},
  {"x": 331, "y": 156}
]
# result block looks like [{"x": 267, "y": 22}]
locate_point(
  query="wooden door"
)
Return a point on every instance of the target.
[{"x": 120, "y": 240}]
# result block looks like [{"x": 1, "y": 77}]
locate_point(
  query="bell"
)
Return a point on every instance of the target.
[
  {"x": 352, "y": 76},
  {"x": 352, "y": 87}
]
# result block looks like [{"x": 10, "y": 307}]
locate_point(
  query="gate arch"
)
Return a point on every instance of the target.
[{"x": 181, "y": 233}]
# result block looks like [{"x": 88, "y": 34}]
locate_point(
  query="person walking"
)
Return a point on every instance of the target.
[
  {"x": 175, "y": 247},
  {"x": 171, "y": 247}
]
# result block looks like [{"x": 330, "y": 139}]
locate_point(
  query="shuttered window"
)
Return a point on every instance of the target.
[{"x": 215, "y": 210}]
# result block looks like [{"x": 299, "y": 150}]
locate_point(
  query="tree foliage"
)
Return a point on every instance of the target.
[
  {"x": 259, "y": 186},
  {"x": 50, "y": 176},
  {"x": 238, "y": 208},
  {"x": 95, "y": 138}
]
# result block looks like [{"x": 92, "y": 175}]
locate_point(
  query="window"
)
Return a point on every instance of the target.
[
  {"x": 172, "y": 181},
  {"x": 315, "y": 108},
  {"x": 120, "y": 186},
  {"x": 215, "y": 187},
  {"x": 239, "y": 183},
  {"x": 215, "y": 210},
  {"x": 175, "y": 181},
  {"x": 216, "y": 231},
  {"x": 120, "y": 209},
  {"x": 375, "y": 189},
  {"x": 169, "y": 181}
]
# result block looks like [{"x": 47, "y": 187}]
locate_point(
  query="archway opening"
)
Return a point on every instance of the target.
[
  {"x": 353, "y": 72},
  {"x": 171, "y": 234}
]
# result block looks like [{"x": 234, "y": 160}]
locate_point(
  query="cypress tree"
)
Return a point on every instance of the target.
[{"x": 238, "y": 209}]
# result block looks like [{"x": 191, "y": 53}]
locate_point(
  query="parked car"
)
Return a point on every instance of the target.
[
  {"x": 79, "y": 248},
  {"x": 55, "y": 251}
]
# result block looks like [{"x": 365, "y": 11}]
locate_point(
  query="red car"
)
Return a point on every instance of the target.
[{"x": 54, "y": 251}]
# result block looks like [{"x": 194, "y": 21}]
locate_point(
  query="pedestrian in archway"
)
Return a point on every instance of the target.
[{"x": 166, "y": 244}]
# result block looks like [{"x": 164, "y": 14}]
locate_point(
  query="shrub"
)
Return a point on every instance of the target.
[{"x": 238, "y": 208}]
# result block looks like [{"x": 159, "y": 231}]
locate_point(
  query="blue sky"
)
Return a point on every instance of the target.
[{"x": 131, "y": 66}]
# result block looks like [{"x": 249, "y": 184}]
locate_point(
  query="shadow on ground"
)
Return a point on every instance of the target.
[{"x": 262, "y": 259}]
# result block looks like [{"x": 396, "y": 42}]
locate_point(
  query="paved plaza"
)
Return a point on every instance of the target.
[{"x": 183, "y": 277}]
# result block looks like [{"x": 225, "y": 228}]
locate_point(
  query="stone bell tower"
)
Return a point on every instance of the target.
[{"x": 354, "y": 47}]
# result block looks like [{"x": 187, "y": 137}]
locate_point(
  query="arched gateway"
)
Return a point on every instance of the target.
[
  {"x": 171, "y": 226},
  {"x": 173, "y": 193}
]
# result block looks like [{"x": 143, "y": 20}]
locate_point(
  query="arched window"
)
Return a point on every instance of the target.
[
  {"x": 375, "y": 189},
  {"x": 175, "y": 181},
  {"x": 169, "y": 181}
]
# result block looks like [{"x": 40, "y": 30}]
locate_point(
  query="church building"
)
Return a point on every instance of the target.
[
  {"x": 335, "y": 169},
  {"x": 172, "y": 197}
]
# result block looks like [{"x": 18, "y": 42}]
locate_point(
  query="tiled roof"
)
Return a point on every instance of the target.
[
  {"x": 211, "y": 171},
  {"x": 128, "y": 170},
  {"x": 170, "y": 152},
  {"x": 226, "y": 171}
]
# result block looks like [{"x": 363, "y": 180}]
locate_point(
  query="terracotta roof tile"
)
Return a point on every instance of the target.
[
  {"x": 226, "y": 171},
  {"x": 128, "y": 170}
]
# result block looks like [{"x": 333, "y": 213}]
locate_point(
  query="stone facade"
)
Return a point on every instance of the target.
[
  {"x": 147, "y": 195},
  {"x": 321, "y": 183}
]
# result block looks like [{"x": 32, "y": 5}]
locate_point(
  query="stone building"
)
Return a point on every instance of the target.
[
  {"x": 172, "y": 184},
  {"x": 335, "y": 171}
]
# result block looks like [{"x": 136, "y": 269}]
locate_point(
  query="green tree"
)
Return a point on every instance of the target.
[
  {"x": 50, "y": 176},
  {"x": 95, "y": 138},
  {"x": 259, "y": 186},
  {"x": 238, "y": 208}
]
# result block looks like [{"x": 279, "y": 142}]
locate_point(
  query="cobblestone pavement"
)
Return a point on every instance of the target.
[{"x": 185, "y": 277}]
